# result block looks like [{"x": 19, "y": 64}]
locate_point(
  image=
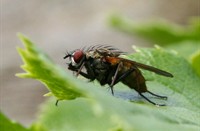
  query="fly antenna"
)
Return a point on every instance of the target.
[{"x": 66, "y": 55}]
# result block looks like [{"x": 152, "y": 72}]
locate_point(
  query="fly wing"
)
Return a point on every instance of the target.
[
  {"x": 115, "y": 60},
  {"x": 153, "y": 69}
]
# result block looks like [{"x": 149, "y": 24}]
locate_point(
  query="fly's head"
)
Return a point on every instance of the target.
[
  {"x": 76, "y": 59},
  {"x": 93, "y": 55}
]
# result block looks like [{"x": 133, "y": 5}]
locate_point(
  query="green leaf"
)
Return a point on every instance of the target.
[
  {"x": 39, "y": 66},
  {"x": 186, "y": 49},
  {"x": 159, "y": 32},
  {"x": 8, "y": 125},
  {"x": 97, "y": 109},
  {"x": 196, "y": 61}
]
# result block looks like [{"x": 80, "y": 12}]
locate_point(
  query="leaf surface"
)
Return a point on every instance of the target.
[{"x": 96, "y": 109}]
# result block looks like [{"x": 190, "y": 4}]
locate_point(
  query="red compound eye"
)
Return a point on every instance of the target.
[{"x": 78, "y": 55}]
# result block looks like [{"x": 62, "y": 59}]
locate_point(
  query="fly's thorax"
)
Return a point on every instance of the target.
[
  {"x": 98, "y": 64},
  {"x": 93, "y": 54},
  {"x": 102, "y": 51}
]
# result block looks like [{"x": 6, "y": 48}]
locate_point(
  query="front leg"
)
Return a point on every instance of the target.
[{"x": 89, "y": 75}]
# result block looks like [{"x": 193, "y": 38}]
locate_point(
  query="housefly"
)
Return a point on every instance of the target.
[{"x": 104, "y": 64}]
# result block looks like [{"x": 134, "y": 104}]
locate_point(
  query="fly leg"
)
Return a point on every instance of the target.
[
  {"x": 117, "y": 79},
  {"x": 163, "y": 97},
  {"x": 150, "y": 100},
  {"x": 140, "y": 93},
  {"x": 124, "y": 75},
  {"x": 90, "y": 73},
  {"x": 87, "y": 76},
  {"x": 79, "y": 70},
  {"x": 114, "y": 78}
]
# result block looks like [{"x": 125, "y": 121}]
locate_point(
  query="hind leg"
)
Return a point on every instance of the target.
[
  {"x": 150, "y": 100},
  {"x": 163, "y": 97}
]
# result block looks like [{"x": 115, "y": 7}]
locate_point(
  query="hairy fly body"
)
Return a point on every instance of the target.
[{"x": 104, "y": 64}]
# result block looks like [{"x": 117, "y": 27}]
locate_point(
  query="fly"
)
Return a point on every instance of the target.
[{"x": 104, "y": 64}]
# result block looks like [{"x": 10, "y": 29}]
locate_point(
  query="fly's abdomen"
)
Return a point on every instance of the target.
[{"x": 135, "y": 81}]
